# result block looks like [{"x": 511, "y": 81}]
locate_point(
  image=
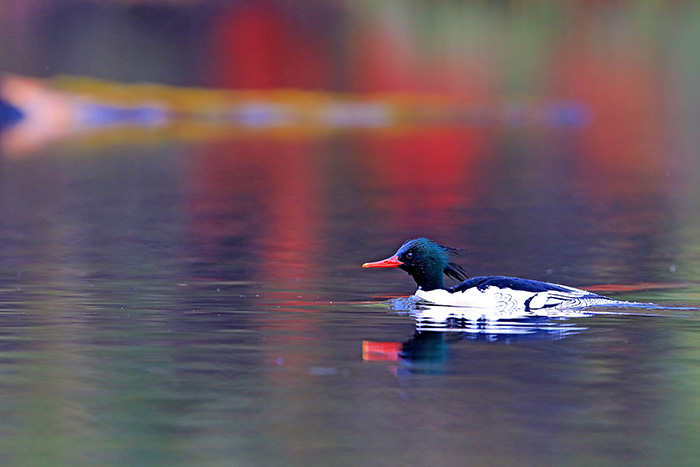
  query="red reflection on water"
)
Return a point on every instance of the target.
[
  {"x": 277, "y": 184},
  {"x": 261, "y": 191},
  {"x": 624, "y": 143},
  {"x": 373, "y": 351},
  {"x": 290, "y": 240},
  {"x": 265, "y": 194},
  {"x": 425, "y": 176}
]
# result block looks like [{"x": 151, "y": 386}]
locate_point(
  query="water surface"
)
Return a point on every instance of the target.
[{"x": 204, "y": 304}]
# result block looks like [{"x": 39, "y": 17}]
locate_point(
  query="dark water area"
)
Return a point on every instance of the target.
[{"x": 198, "y": 300}]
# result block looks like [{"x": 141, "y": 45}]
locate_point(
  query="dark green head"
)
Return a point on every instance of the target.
[{"x": 425, "y": 261}]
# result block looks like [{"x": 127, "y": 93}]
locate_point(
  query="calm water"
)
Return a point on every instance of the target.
[{"x": 205, "y": 305}]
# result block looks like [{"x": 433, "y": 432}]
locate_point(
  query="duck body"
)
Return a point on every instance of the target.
[
  {"x": 511, "y": 294},
  {"x": 427, "y": 262}
]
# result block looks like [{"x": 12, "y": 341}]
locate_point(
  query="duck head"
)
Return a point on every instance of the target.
[{"x": 425, "y": 261}]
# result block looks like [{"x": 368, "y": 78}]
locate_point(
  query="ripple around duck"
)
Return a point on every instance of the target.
[{"x": 498, "y": 324}]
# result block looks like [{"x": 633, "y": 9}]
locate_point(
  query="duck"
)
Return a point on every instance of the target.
[{"x": 428, "y": 263}]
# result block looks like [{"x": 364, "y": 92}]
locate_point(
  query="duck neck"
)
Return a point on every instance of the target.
[{"x": 430, "y": 281}]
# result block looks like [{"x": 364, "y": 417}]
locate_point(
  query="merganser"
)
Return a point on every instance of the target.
[{"x": 427, "y": 262}]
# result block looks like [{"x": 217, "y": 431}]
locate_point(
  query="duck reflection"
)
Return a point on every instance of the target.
[
  {"x": 493, "y": 324},
  {"x": 437, "y": 327}
]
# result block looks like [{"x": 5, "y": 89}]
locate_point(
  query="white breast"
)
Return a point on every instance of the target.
[
  {"x": 493, "y": 298},
  {"x": 507, "y": 300}
]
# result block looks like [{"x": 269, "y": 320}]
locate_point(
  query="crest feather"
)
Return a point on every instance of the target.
[{"x": 454, "y": 270}]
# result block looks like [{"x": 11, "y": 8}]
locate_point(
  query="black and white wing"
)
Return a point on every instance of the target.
[{"x": 531, "y": 295}]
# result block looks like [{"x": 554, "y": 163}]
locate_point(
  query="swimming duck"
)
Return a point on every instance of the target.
[{"x": 428, "y": 263}]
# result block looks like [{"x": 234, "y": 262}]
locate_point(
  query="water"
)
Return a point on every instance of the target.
[{"x": 194, "y": 305}]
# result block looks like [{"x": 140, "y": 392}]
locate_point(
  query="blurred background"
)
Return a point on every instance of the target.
[
  {"x": 381, "y": 118},
  {"x": 208, "y": 175}
]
